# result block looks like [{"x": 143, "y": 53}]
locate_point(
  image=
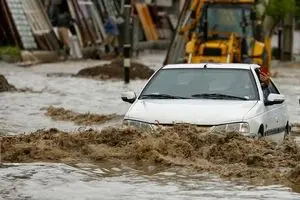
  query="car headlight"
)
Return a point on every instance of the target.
[
  {"x": 242, "y": 128},
  {"x": 138, "y": 124}
]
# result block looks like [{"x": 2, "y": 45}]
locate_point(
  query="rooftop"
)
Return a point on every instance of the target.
[{"x": 213, "y": 65}]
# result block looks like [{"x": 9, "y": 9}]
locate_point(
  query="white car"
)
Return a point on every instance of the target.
[{"x": 223, "y": 97}]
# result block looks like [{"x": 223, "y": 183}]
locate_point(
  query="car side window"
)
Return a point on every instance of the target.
[
  {"x": 269, "y": 89},
  {"x": 266, "y": 92},
  {"x": 265, "y": 89},
  {"x": 272, "y": 88}
]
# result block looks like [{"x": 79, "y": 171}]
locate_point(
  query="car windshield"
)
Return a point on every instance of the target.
[{"x": 202, "y": 83}]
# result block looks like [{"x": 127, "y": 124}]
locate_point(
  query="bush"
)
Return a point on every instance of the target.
[{"x": 10, "y": 53}]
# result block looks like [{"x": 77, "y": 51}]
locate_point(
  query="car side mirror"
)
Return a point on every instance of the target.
[
  {"x": 274, "y": 99},
  {"x": 128, "y": 97}
]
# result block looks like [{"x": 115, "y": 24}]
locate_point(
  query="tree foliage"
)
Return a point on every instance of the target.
[
  {"x": 278, "y": 9},
  {"x": 297, "y": 9}
]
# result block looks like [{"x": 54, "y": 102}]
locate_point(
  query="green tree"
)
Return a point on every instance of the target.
[
  {"x": 298, "y": 9},
  {"x": 278, "y": 9}
]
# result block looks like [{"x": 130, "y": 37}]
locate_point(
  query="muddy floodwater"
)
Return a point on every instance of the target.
[{"x": 54, "y": 85}]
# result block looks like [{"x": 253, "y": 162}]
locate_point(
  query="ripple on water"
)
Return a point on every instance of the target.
[{"x": 57, "y": 181}]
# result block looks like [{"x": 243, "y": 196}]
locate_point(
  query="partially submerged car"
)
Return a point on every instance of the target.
[{"x": 223, "y": 97}]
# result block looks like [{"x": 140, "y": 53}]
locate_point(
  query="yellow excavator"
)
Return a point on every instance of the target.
[{"x": 220, "y": 31}]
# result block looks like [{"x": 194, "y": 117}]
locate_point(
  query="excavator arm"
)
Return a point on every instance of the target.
[
  {"x": 187, "y": 21},
  {"x": 194, "y": 13}
]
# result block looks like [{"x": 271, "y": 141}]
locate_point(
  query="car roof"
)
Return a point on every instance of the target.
[{"x": 213, "y": 65}]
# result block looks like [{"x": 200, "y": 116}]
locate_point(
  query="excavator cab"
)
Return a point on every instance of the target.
[{"x": 219, "y": 31}]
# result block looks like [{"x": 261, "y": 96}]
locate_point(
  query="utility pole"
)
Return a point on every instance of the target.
[
  {"x": 122, "y": 2},
  {"x": 279, "y": 41},
  {"x": 127, "y": 41},
  {"x": 135, "y": 34}
]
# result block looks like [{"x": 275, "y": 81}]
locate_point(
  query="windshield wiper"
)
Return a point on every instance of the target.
[
  {"x": 161, "y": 96},
  {"x": 217, "y": 96}
]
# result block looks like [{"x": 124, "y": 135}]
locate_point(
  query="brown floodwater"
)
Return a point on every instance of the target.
[{"x": 107, "y": 171}]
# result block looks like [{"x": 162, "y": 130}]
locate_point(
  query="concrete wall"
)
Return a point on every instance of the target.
[{"x": 296, "y": 44}]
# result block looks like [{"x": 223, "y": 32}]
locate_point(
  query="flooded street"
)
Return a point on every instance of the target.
[
  {"x": 44, "y": 182},
  {"x": 24, "y": 112},
  {"x": 288, "y": 82},
  {"x": 53, "y": 85}
]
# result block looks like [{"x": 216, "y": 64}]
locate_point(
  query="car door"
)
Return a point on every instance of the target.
[
  {"x": 275, "y": 115},
  {"x": 280, "y": 110}
]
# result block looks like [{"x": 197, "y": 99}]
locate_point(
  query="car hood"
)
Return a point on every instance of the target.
[{"x": 201, "y": 112}]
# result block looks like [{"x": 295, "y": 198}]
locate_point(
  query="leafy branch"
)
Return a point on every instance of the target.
[{"x": 278, "y": 9}]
